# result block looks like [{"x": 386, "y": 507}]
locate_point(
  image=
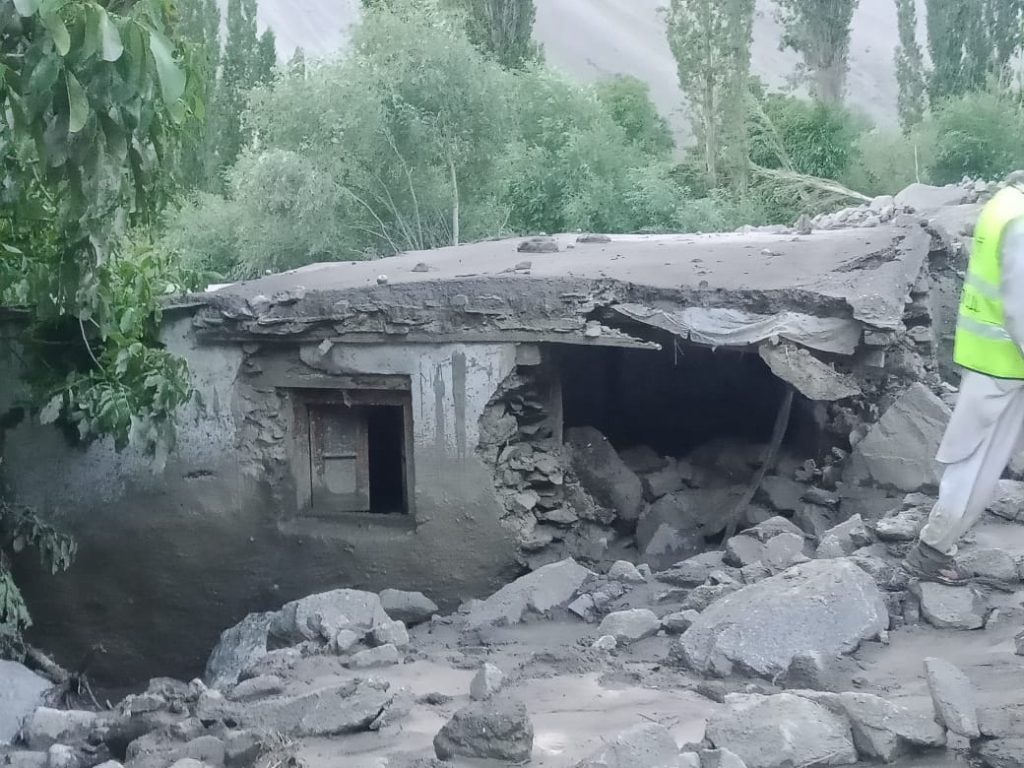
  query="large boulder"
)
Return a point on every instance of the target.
[
  {"x": 643, "y": 746},
  {"x": 321, "y": 616},
  {"x": 239, "y": 647},
  {"x": 899, "y": 450},
  {"x": 947, "y": 607},
  {"x": 347, "y": 707},
  {"x": 781, "y": 731},
  {"x": 549, "y": 587},
  {"x": 679, "y": 524},
  {"x": 46, "y": 727},
  {"x": 1009, "y": 500},
  {"x": 954, "y": 697},
  {"x": 924, "y": 198},
  {"x": 21, "y": 691},
  {"x": 1002, "y": 753},
  {"x": 604, "y": 474},
  {"x": 828, "y": 606},
  {"x": 629, "y": 626},
  {"x": 497, "y": 729}
]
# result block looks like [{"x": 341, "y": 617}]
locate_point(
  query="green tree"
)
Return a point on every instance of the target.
[
  {"x": 710, "y": 40},
  {"x": 809, "y": 137},
  {"x": 297, "y": 63},
  {"x": 819, "y": 30},
  {"x": 628, "y": 100},
  {"x": 910, "y": 72},
  {"x": 92, "y": 103},
  {"x": 199, "y": 27},
  {"x": 503, "y": 29},
  {"x": 979, "y": 134}
]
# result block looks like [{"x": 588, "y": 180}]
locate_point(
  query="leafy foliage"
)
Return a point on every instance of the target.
[
  {"x": 710, "y": 40},
  {"x": 819, "y": 30},
  {"x": 979, "y": 134},
  {"x": 503, "y": 29},
  {"x": 628, "y": 100}
]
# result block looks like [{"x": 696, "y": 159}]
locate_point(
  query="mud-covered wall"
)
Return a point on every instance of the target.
[{"x": 171, "y": 556}]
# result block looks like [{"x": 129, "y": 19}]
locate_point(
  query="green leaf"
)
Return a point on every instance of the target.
[
  {"x": 172, "y": 77},
  {"x": 59, "y": 32},
  {"x": 78, "y": 104},
  {"x": 51, "y": 410},
  {"x": 26, "y": 7},
  {"x": 112, "y": 45}
]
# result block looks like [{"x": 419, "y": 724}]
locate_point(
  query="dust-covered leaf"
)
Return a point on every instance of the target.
[
  {"x": 51, "y": 410},
  {"x": 78, "y": 104},
  {"x": 58, "y": 31},
  {"x": 171, "y": 76},
  {"x": 26, "y": 7},
  {"x": 112, "y": 47}
]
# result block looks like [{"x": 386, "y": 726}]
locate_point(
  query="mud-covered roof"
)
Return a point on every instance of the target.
[{"x": 493, "y": 289}]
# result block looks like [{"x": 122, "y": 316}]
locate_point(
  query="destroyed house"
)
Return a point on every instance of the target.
[{"x": 442, "y": 421}]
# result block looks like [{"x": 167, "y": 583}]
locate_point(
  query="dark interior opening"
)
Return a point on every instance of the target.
[
  {"x": 386, "y": 448},
  {"x": 672, "y": 400}
]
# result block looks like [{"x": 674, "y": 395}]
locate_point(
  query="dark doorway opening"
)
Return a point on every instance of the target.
[
  {"x": 386, "y": 449},
  {"x": 673, "y": 400}
]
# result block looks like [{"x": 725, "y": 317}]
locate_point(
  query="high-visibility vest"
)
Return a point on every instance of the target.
[{"x": 982, "y": 343}]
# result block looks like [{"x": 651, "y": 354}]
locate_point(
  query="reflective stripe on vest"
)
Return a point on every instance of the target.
[{"x": 982, "y": 343}]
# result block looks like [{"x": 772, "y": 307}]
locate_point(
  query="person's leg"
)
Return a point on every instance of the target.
[{"x": 966, "y": 489}]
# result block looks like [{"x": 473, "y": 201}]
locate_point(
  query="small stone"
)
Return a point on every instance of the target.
[
  {"x": 61, "y": 756},
  {"x": 784, "y": 551},
  {"x": 583, "y": 606},
  {"x": 678, "y": 622},
  {"x": 421, "y": 266},
  {"x": 605, "y": 643},
  {"x": 630, "y": 626},
  {"x": 487, "y": 682},
  {"x": 345, "y": 641},
  {"x": 844, "y": 539},
  {"x": 953, "y": 696},
  {"x": 706, "y": 594},
  {"x": 989, "y": 563},
  {"x": 498, "y": 728},
  {"x": 743, "y": 550},
  {"x": 257, "y": 688},
  {"x": 382, "y": 656},
  {"x": 902, "y": 525},
  {"x": 410, "y": 607},
  {"x": 625, "y": 571},
  {"x": 391, "y": 633}
]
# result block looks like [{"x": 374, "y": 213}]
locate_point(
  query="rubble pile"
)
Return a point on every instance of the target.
[{"x": 641, "y": 634}]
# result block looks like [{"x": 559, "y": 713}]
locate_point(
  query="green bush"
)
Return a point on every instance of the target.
[
  {"x": 628, "y": 100},
  {"x": 978, "y": 134},
  {"x": 888, "y": 161}
]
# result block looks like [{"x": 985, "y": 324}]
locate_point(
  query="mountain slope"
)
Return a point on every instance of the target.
[{"x": 591, "y": 39}]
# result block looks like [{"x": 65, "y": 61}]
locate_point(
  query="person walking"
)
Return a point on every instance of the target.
[{"x": 988, "y": 420}]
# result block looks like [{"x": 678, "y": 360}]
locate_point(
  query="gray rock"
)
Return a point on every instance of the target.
[
  {"x": 694, "y": 513},
  {"x": 844, "y": 539},
  {"x": 61, "y": 756},
  {"x": 1018, "y": 643},
  {"x": 257, "y": 688},
  {"x": 487, "y": 682},
  {"x": 643, "y": 746},
  {"x": 948, "y": 607},
  {"x": 668, "y": 479},
  {"x": 242, "y": 748},
  {"x": 678, "y": 622},
  {"x": 829, "y": 606},
  {"x": 693, "y": 571},
  {"x": 816, "y": 671},
  {"x": 899, "y": 450},
  {"x": 498, "y": 729},
  {"x": 989, "y": 563},
  {"x": 21, "y": 691},
  {"x": 629, "y": 626},
  {"x": 772, "y": 527},
  {"x": 625, "y": 571},
  {"x": 924, "y": 198},
  {"x": 781, "y": 732},
  {"x": 1002, "y": 753},
  {"x": 46, "y": 727},
  {"x": 643, "y": 459},
  {"x": 741, "y": 551},
  {"x": 667, "y": 545},
  {"x": 27, "y": 759},
  {"x": 784, "y": 551},
  {"x": 276, "y": 662},
  {"x": 239, "y": 647},
  {"x": 603, "y": 473},
  {"x": 345, "y": 641},
  {"x": 381, "y": 656},
  {"x": 412, "y": 608},
  {"x": 783, "y": 493},
  {"x": 321, "y": 616},
  {"x": 189, "y": 762},
  {"x": 549, "y": 587},
  {"x": 605, "y": 643},
  {"x": 720, "y": 758},
  {"x": 391, "y": 632},
  {"x": 348, "y": 707},
  {"x": 1009, "y": 500},
  {"x": 705, "y": 595},
  {"x": 901, "y": 525},
  {"x": 1002, "y": 722},
  {"x": 954, "y": 698},
  {"x": 689, "y": 760},
  {"x": 813, "y": 520},
  {"x": 883, "y": 730}
]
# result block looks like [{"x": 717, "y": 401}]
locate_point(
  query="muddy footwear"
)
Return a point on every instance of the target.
[{"x": 928, "y": 564}]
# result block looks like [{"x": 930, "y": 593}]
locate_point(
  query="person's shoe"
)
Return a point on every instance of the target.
[{"x": 928, "y": 564}]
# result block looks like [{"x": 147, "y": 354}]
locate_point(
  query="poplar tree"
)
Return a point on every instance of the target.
[
  {"x": 503, "y": 29},
  {"x": 819, "y": 30},
  {"x": 710, "y": 40},
  {"x": 910, "y": 72}
]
